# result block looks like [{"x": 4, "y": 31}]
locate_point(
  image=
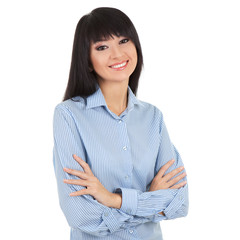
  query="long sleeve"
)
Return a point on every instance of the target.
[
  {"x": 173, "y": 202},
  {"x": 82, "y": 212}
]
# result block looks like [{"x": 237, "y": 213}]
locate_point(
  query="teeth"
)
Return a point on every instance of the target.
[{"x": 119, "y": 65}]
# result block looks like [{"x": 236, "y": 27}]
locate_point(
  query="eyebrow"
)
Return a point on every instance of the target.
[
  {"x": 102, "y": 40},
  {"x": 99, "y": 40}
]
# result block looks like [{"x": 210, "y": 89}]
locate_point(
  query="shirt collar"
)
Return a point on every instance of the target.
[{"x": 97, "y": 99}]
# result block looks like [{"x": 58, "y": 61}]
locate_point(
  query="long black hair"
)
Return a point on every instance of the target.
[{"x": 103, "y": 22}]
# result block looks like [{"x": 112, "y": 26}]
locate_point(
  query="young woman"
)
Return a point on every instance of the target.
[{"x": 118, "y": 174}]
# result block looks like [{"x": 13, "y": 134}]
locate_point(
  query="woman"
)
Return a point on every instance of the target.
[{"x": 118, "y": 174}]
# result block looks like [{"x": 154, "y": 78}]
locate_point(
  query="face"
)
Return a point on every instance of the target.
[{"x": 114, "y": 59}]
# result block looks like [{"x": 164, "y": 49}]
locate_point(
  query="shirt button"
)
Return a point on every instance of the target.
[
  {"x": 126, "y": 177},
  {"x": 131, "y": 231},
  {"x": 106, "y": 214},
  {"x": 125, "y": 148},
  {"x": 119, "y": 121}
]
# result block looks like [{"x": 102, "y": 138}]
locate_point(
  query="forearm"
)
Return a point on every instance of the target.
[
  {"x": 86, "y": 213},
  {"x": 158, "y": 205}
]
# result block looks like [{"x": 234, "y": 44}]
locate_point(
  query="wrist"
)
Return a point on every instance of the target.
[{"x": 116, "y": 200}]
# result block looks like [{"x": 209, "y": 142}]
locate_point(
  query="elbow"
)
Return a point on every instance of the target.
[
  {"x": 179, "y": 208},
  {"x": 185, "y": 206},
  {"x": 186, "y": 209},
  {"x": 79, "y": 223},
  {"x": 181, "y": 212}
]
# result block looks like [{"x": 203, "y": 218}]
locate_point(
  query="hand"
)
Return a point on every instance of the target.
[
  {"x": 162, "y": 181},
  {"x": 93, "y": 185}
]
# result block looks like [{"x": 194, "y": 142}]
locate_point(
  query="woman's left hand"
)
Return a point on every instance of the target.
[{"x": 93, "y": 185}]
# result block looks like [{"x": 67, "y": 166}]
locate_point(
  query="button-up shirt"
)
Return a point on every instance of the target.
[{"x": 124, "y": 152}]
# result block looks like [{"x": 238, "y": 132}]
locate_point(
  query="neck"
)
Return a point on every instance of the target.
[{"x": 116, "y": 95}]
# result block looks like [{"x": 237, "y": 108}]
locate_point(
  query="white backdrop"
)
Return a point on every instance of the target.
[{"x": 192, "y": 68}]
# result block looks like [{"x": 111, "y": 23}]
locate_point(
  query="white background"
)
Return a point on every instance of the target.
[{"x": 192, "y": 68}]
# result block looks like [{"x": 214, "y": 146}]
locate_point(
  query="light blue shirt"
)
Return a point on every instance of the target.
[{"x": 125, "y": 153}]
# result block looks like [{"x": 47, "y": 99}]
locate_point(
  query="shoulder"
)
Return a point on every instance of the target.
[
  {"x": 71, "y": 105},
  {"x": 149, "y": 107}
]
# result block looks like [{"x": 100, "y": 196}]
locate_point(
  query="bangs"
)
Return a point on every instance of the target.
[{"x": 104, "y": 25}]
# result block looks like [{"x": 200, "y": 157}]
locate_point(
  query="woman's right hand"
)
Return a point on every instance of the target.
[{"x": 162, "y": 181}]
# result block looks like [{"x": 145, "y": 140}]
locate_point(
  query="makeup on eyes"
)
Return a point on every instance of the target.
[{"x": 99, "y": 45}]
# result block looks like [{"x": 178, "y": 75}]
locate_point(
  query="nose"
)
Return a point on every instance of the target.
[{"x": 116, "y": 52}]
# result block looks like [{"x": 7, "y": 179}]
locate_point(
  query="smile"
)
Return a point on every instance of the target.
[{"x": 120, "y": 66}]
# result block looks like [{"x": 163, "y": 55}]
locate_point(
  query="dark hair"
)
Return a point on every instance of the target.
[{"x": 103, "y": 22}]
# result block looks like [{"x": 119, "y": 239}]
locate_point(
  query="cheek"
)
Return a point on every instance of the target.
[
  {"x": 134, "y": 56},
  {"x": 95, "y": 63},
  {"x": 134, "y": 53},
  {"x": 98, "y": 60},
  {"x": 94, "y": 59},
  {"x": 99, "y": 66}
]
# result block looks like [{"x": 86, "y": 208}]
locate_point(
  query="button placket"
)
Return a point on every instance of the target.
[
  {"x": 125, "y": 147},
  {"x": 126, "y": 153}
]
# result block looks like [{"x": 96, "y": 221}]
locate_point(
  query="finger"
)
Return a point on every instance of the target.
[
  {"x": 77, "y": 173},
  {"x": 177, "y": 179},
  {"x": 76, "y": 182},
  {"x": 179, "y": 185},
  {"x": 174, "y": 172},
  {"x": 79, "y": 193},
  {"x": 164, "y": 168},
  {"x": 84, "y": 165}
]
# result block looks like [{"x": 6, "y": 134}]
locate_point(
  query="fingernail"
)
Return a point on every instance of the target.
[{"x": 181, "y": 168}]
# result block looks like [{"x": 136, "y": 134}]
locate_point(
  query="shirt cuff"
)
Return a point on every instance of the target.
[
  {"x": 176, "y": 203},
  {"x": 110, "y": 220},
  {"x": 129, "y": 200}
]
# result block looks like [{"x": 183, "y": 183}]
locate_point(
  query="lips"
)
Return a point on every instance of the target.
[{"x": 119, "y": 66}]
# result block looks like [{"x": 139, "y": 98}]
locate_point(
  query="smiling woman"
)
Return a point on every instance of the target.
[
  {"x": 118, "y": 174},
  {"x": 114, "y": 59},
  {"x": 93, "y": 32}
]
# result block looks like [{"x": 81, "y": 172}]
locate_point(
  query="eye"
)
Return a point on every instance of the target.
[
  {"x": 125, "y": 40},
  {"x": 101, "y": 48}
]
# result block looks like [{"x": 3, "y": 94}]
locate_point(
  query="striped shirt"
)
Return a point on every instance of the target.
[{"x": 124, "y": 152}]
